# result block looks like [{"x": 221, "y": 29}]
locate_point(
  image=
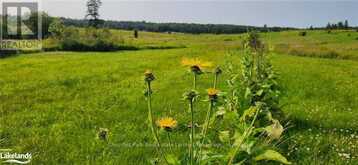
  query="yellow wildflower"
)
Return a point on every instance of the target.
[
  {"x": 196, "y": 65},
  {"x": 167, "y": 123},
  {"x": 213, "y": 93},
  {"x": 196, "y": 62}
]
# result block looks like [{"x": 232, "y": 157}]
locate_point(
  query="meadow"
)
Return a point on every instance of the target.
[{"x": 52, "y": 104}]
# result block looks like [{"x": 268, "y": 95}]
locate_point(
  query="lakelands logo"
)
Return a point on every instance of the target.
[
  {"x": 20, "y": 25},
  {"x": 12, "y": 157}
]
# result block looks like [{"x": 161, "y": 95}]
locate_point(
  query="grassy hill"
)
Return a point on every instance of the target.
[{"x": 53, "y": 103}]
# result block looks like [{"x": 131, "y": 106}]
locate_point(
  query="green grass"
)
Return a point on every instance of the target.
[
  {"x": 340, "y": 44},
  {"x": 53, "y": 104},
  {"x": 337, "y": 44}
]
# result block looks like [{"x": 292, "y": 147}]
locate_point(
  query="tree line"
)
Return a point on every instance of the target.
[
  {"x": 338, "y": 25},
  {"x": 174, "y": 27}
]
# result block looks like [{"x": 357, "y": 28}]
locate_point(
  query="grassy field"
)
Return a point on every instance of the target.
[{"x": 52, "y": 104}]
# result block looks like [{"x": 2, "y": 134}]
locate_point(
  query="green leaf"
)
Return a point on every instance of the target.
[
  {"x": 272, "y": 155},
  {"x": 240, "y": 163},
  {"x": 238, "y": 138},
  {"x": 154, "y": 161},
  {"x": 266, "y": 86},
  {"x": 260, "y": 92},
  {"x": 275, "y": 130},
  {"x": 231, "y": 116},
  {"x": 208, "y": 157},
  {"x": 248, "y": 146},
  {"x": 249, "y": 113},
  {"x": 220, "y": 112},
  {"x": 172, "y": 159},
  {"x": 247, "y": 92},
  {"x": 258, "y": 130},
  {"x": 224, "y": 136}
]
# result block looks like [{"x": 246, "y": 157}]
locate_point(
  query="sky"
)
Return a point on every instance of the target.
[{"x": 289, "y": 13}]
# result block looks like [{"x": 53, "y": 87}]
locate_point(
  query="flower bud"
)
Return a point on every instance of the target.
[{"x": 148, "y": 76}]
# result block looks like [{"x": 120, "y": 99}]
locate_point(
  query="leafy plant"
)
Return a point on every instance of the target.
[
  {"x": 244, "y": 134},
  {"x": 57, "y": 28},
  {"x": 88, "y": 39},
  {"x": 258, "y": 76}
]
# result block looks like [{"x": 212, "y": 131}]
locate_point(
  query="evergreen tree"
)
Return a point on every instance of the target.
[
  {"x": 93, "y": 13},
  {"x": 265, "y": 28},
  {"x": 346, "y": 25},
  {"x": 340, "y": 25},
  {"x": 329, "y": 26},
  {"x": 334, "y": 26}
]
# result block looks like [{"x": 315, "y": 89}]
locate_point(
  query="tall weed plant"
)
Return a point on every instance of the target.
[{"x": 237, "y": 128}]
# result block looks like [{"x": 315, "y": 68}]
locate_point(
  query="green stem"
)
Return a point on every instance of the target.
[
  {"x": 206, "y": 125},
  {"x": 170, "y": 143},
  {"x": 215, "y": 80},
  {"x": 192, "y": 132},
  {"x": 207, "y": 119},
  {"x": 247, "y": 133},
  {"x": 194, "y": 85},
  {"x": 151, "y": 121}
]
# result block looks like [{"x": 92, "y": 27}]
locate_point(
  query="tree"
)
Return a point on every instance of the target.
[
  {"x": 265, "y": 29},
  {"x": 334, "y": 26},
  {"x": 329, "y": 26},
  {"x": 93, "y": 13},
  {"x": 57, "y": 28},
  {"x": 340, "y": 25},
  {"x": 346, "y": 26}
]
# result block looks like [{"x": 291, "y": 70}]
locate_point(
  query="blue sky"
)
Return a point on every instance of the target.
[{"x": 291, "y": 13}]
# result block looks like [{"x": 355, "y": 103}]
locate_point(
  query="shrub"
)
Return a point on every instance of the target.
[
  {"x": 89, "y": 39},
  {"x": 99, "y": 40},
  {"x": 135, "y": 33},
  {"x": 71, "y": 40},
  {"x": 303, "y": 33},
  {"x": 72, "y": 44},
  {"x": 56, "y": 28},
  {"x": 50, "y": 44}
]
